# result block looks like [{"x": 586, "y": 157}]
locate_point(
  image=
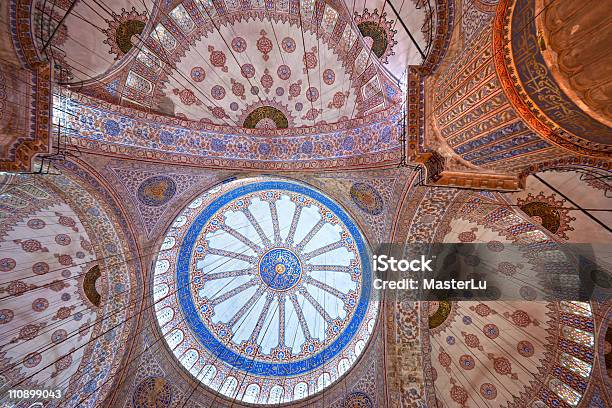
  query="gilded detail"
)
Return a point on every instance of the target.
[
  {"x": 89, "y": 285},
  {"x": 377, "y": 34},
  {"x": 441, "y": 313},
  {"x": 266, "y": 117},
  {"x": 125, "y": 31}
]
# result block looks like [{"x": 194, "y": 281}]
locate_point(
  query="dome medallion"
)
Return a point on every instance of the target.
[
  {"x": 268, "y": 296},
  {"x": 280, "y": 269}
]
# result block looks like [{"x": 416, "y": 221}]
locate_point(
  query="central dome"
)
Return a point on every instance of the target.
[
  {"x": 280, "y": 269},
  {"x": 269, "y": 290}
]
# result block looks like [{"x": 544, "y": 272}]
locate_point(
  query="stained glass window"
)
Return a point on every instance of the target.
[
  {"x": 257, "y": 4},
  {"x": 307, "y": 9},
  {"x": 348, "y": 37},
  {"x": 276, "y": 393},
  {"x": 578, "y": 336},
  {"x": 164, "y": 37},
  {"x": 564, "y": 392},
  {"x": 575, "y": 364},
  {"x": 282, "y": 5},
  {"x": 182, "y": 18},
  {"x": 149, "y": 59},
  {"x": 579, "y": 308},
  {"x": 207, "y": 8},
  {"x": 361, "y": 61},
  {"x": 138, "y": 83},
  {"x": 329, "y": 19}
]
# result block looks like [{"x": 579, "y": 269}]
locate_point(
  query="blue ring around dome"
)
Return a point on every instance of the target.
[{"x": 208, "y": 340}]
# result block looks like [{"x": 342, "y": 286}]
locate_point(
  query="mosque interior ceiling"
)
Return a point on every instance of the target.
[{"x": 194, "y": 195}]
